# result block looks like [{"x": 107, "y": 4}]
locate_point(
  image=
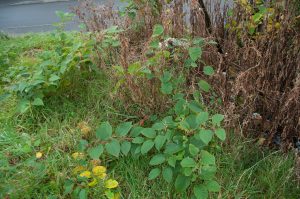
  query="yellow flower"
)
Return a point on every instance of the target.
[
  {"x": 38, "y": 155},
  {"x": 117, "y": 196},
  {"x": 84, "y": 127},
  {"x": 95, "y": 162},
  {"x": 86, "y": 174},
  {"x": 110, "y": 184},
  {"x": 93, "y": 183},
  {"x": 77, "y": 155},
  {"x": 97, "y": 170},
  {"x": 78, "y": 169},
  {"x": 101, "y": 176}
]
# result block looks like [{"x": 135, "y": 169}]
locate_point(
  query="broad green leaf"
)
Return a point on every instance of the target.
[
  {"x": 83, "y": 194},
  {"x": 104, "y": 131},
  {"x": 205, "y": 135},
  {"x": 195, "y": 107},
  {"x": 208, "y": 70},
  {"x": 113, "y": 148},
  {"x": 138, "y": 140},
  {"x": 157, "y": 30},
  {"x": 182, "y": 183},
  {"x": 207, "y": 158},
  {"x": 123, "y": 128},
  {"x": 38, "y": 102},
  {"x": 172, "y": 161},
  {"x": 147, "y": 146},
  {"x": 167, "y": 174},
  {"x": 136, "y": 131},
  {"x": 166, "y": 76},
  {"x": 172, "y": 148},
  {"x": 154, "y": 173},
  {"x": 157, "y": 159},
  {"x": 54, "y": 78},
  {"x": 125, "y": 147},
  {"x": 195, "y": 53},
  {"x": 201, "y": 192},
  {"x": 82, "y": 145},
  {"x": 166, "y": 88},
  {"x": 221, "y": 134},
  {"x": 188, "y": 162},
  {"x": 217, "y": 119},
  {"x": 68, "y": 186},
  {"x": 23, "y": 106},
  {"x": 213, "y": 186},
  {"x": 158, "y": 126},
  {"x": 95, "y": 152},
  {"x": 149, "y": 132},
  {"x": 204, "y": 85},
  {"x": 193, "y": 150},
  {"x": 187, "y": 171},
  {"x": 160, "y": 141},
  {"x": 202, "y": 117},
  {"x": 208, "y": 172}
]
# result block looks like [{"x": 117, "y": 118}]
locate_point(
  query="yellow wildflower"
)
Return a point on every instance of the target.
[
  {"x": 110, "y": 184},
  {"x": 78, "y": 169},
  {"x": 93, "y": 183},
  {"x": 101, "y": 176},
  {"x": 38, "y": 155},
  {"x": 86, "y": 174},
  {"x": 77, "y": 155},
  {"x": 117, "y": 196},
  {"x": 97, "y": 170}
]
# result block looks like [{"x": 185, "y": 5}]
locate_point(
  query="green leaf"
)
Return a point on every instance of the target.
[
  {"x": 172, "y": 161},
  {"x": 166, "y": 88},
  {"x": 204, "y": 85},
  {"x": 38, "y": 102},
  {"x": 82, "y": 145},
  {"x": 154, "y": 173},
  {"x": 125, "y": 147},
  {"x": 207, "y": 158},
  {"x": 159, "y": 141},
  {"x": 149, "y": 132},
  {"x": 166, "y": 76},
  {"x": 172, "y": 148},
  {"x": 123, "y": 128},
  {"x": 23, "y": 106},
  {"x": 217, "y": 119},
  {"x": 202, "y": 117},
  {"x": 95, "y": 152},
  {"x": 104, "y": 131},
  {"x": 195, "y": 53},
  {"x": 113, "y": 148},
  {"x": 147, "y": 146},
  {"x": 68, "y": 186},
  {"x": 157, "y": 159},
  {"x": 138, "y": 140},
  {"x": 193, "y": 150},
  {"x": 136, "y": 131},
  {"x": 201, "y": 192},
  {"x": 195, "y": 107},
  {"x": 188, "y": 162},
  {"x": 83, "y": 194},
  {"x": 213, "y": 186},
  {"x": 208, "y": 70},
  {"x": 205, "y": 135},
  {"x": 54, "y": 78},
  {"x": 182, "y": 183},
  {"x": 221, "y": 134},
  {"x": 157, "y": 30},
  {"x": 208, "y": 172},
  {"x": 158, "y": 126},
  {"x": 167, "y": 174}
]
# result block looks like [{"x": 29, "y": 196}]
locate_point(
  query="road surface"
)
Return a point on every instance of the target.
[{"x": 23, "y": 16}]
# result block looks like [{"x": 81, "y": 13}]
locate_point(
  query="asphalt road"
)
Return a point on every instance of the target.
[{"x": 23, "y": 16}]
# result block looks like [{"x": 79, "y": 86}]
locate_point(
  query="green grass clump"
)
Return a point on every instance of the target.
[{"x": 245, "y": 169}]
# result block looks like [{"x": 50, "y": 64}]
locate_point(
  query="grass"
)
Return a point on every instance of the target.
[{"x": 246, "y": 169}]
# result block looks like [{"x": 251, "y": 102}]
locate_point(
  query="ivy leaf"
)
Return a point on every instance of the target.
[
  {"x": 201, "y": 192},
  {"x": 182, "y": 183},
  {"x": 157, "y": 30},
  {"x": 205, "y": 135},
  {"x": 207, "y": 158},
  {"x": 104, "y": 131},
  {"x": 213, "y": 186},
  {"x": 113, "y": 148},
  {"x": 217, "y": 119},
  {"x": 159, "y": 141},
  {"x": 123, "y": 128},
  {"x": 147, "y": 146},
  {"x": 221, "y": 134},
  {"x": 154, "y": 173},
  {"x": 167, "y": 174},
  {"x": 204, "y": 85},
  {"x": 125, "y": 147},
  {"x": 188, "y": 162},
  {"x": 195, "y": 53},
  {"x": 208, "y": 70},
  {"x": 149, "y": 132},
  {"x": 95, "y": 152},
  {"x": 157, "y": 159}
]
